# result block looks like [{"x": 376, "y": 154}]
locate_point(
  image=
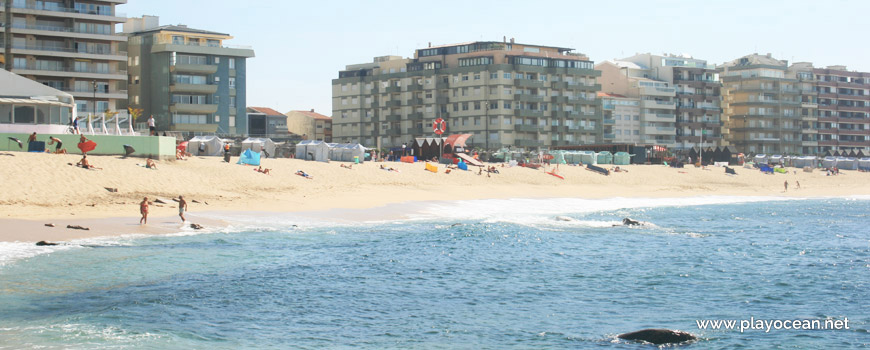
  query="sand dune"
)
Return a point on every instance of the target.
[{"x": 44, "y": 186}]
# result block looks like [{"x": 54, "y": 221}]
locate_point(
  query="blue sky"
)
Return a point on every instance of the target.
[{"x": 301, "y": 45}]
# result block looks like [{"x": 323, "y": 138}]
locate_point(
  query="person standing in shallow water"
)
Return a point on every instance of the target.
[
  {"x": 143, "y": 209},
  {"x": 182, "y": 206},
  {"x": 786, "y": 185}
]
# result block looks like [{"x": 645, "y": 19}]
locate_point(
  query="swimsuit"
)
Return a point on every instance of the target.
[
  {"x": 59, "y": 144},
  {"x": 180, "y": 209}
]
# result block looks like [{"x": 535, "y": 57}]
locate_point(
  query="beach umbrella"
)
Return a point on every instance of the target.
[
  {"x": 128, "y": 150},
  {"x": 20, "y": 145}
]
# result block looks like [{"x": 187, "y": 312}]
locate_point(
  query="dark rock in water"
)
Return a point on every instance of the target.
[
  {"x": 658, "y": 336},
  {"x": 49, "y": 225},
  {"x": 456, "y": 224},
  {"x": 77, "y": 227},
  {"x": 196, "y": 226},
  {"x": 44, "y": 243},
  {"x": 630, "y": 222}
]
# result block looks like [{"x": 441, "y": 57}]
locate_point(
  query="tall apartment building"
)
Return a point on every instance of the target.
[
  {"x": 698, "y": 95},
  {"x": 504, "y": 93},
  {"x": 844, "y": 109},
  {"x": 187, "y": 78},
  {"x": 657, "y": 116},
  {"x": 71, "y": 46},
  {"x": 621, "y": 118},
  {"x": 761, "y": 100},
  {"x": 809, "y": 107}
]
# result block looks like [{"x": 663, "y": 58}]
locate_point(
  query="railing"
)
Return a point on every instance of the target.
[
  {"x": 63, "y": 9},
  {"x": 67, "y": 69},
  {"x": 206, "y": 44},
  {"x": 69, "y": 50},
  {"x": 59, "y": 29}
]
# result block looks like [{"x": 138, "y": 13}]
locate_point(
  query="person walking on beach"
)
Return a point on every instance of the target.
[
  {"x": 182, "y": 206},
  {"x": 798, "y": 184},
  {"x": 786, "y": 185},
  {"x": 143, "y": 209},
  {"x": 57, "y": 149}
]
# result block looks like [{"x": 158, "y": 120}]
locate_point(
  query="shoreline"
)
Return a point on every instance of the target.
[
  {"x": 34, "y": 230},
  {"x": 43, "y": 188}
]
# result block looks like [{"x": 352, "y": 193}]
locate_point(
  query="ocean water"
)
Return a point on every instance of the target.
[{"x": 492, "y": 274}]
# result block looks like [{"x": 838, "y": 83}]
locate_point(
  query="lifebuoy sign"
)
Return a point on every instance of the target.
[{"x": 439, "y": 126}]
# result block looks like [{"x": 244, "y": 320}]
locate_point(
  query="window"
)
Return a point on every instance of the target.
[
  {"x": 231, "y": 119},
  {"x": 232, "y": 63},
  {"x": 507, "y": 75},
  {"x": 493, "y": 75},
  {"x": 507, "y": 104},
  {"x": 475, "y": 61},
  {"x": 217, "y": 60},
  {"x": 464, "y": 106},
  {"x": 177, "y": 40},
  {"x": 477, "y": 105},
  {"x": 191, "y": 119},
  {"x": 232, "y": 101},
  {"x": 232, "y": 82},
  {"x": 464, "y": 78},
  {"x": 477, "y": 77}
]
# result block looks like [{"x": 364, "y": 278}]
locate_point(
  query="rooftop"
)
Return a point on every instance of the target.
[
  {"x": 313, "y": 114},
  {"x": 179, "y": 28},
  {"x": 265, "y": 110}
]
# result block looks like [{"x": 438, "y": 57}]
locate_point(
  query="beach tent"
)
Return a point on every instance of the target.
[
  {"x": 802, "y": 162},
  {"x": 760, "y": 159},
  {"x": 847, "y": 163},
  {"x": 605, "y": 157},
  {"x": 864, "y": 164},
  {"x": 621, "y": 158},
  {"x": 205, "y": 146},
  {"x": 829, "y": 162},
  {"x": 587, "y": 157},
  {"x": 249, "y": 157},
  {"x": 353, "y": 152},
  {"x": 774, "y": 159},
  {"x": 558, "y": 157},
  {"x": 258, "y": 144},
  {"x": 312, "y": 150}
]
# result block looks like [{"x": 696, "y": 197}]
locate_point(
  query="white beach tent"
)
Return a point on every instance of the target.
[
  {"x": 802, "y": 162},
  {"x": 774, "y": 159},
  {"x": 205, "y": 146},
  {"x": 829, "y": 162},
  {"x": 259, "y": 145},
  {"x": 864, "y": 164},
  {"x": 847, "y": 163},
  {"x": 352, "y": 151},
  {"x": 760, "y": 159},
  {"x": 312, "y": 150}
]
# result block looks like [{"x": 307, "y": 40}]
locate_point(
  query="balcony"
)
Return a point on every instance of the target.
[
  {"x": 561, "y": 128},
  {"x": 414, "y": 87},
  {"x": 111, "y": 74},
  {"x": 415, "y": 116},
  {"x": 42, "y": 50},
  {"x": 528, "y": 83},
  {"x": 442, "y": 85},
  {"x": 418, "y": 131},
  {"x": 657, "y": 91},
  {"x": 193, "y": 88},
  {"x": 530, "y": 98},
  {"x": 393, "y": 103},
  {"x": 528, "y": 113},
  {"x": 393, "y": 89},
  {"x": 202, "y": 48},
  {"x": 415, "y": 101},
  {"x": 657, "y": 104},
  {"x": 193, "y": 108},
  {"x": 194, "y": 68},
  {"x": 391, "y": 118},
  {"x": 81, "y": 94},
  {"x": 559, "y": 99},
  {"x": 393, "y": 132},
  {"x": 660, "y": 117},
  {"x": 59, "y": 11},
  {"x": 206, "y": 128},
  {"x": 66, "y": 32},
  {"x": 442, "y": 100},
  {"x": 609, "y": 136},
  {"x": 584, "y": 87},
  {"x": 527, "y": 128},
  {"x": 527, "y": 143},
  {"x": 660, "y": 130}
]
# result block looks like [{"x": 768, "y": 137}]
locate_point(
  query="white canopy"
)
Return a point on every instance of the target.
[
  {"x": 312, "y": 150},
  {"x": 205, "y": 146},
  {"x": 760, "y": 159},
  {"x": 261, "y": 145}
]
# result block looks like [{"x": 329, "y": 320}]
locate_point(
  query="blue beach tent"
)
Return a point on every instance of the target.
[{"x": 249, "y": 157}]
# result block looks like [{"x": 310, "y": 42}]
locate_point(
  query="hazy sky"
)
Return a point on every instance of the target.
[{"x": 301, "y": 45}]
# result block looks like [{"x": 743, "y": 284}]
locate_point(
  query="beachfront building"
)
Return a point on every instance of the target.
[
  {"x": 310, "y": 125},
  {"x": 761, "y": 101},
  {"x": 621, "y": 118},
  {"x": 71, "y": 46},
  {"x": 844, "y": 109},
  {"x": 656, "y": 97},
  {"x": 503, "y": 93},
  {"x": 27, "y": 106},
  {"x": 187, "y": 78},
  {"x": 698, "y": 94},
  {"x": 266, "y": 122},
  {"x": 809, "y": 107}
]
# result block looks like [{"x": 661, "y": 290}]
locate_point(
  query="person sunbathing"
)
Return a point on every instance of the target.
[
  {"x": 85, "y": 164},
  {"x": 150, "y": 164},
  {"x": 261, "y": 170},
  {"x": 303, "y": 174},
  {"x": 347, "y": 166}
]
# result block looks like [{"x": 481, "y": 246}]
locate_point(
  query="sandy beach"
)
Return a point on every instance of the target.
[{"x": 44, "y": 188}]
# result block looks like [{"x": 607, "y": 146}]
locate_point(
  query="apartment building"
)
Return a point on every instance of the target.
[
  {"x": 621, "y": 118},
  {"x": 187, "y": 78},
  {"x": 656, "y": 99},
  {"x": 310, "y": 125},
  {"x": 266, "y": 122},
  {"x": 503, "y": 93},
  {"x": 809, "y": 106},
  {"x": 844, "y": 109},
  {"x": 761, "y": 100},
  {"x": 71, "y": 46}
]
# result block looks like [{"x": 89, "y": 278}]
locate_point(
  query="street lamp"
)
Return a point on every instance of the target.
[{"x": 94, "y": 84}]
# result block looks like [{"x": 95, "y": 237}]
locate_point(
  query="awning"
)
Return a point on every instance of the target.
[
  {"x": 26, "y": 101},
  {"x": 457, "y": 140},
  {"x": 421, "y": 141}
]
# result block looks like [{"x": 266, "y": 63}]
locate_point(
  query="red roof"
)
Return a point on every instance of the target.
[
  {"x": 605, "y": 94},
  {"x": 266, "y": 111},
  {"x": 313, "y": 114}
]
